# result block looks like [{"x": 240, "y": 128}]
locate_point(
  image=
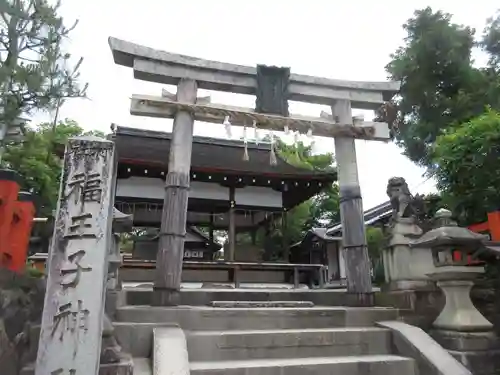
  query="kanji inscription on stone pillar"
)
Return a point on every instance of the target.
[{"x": 70, "y": 337}]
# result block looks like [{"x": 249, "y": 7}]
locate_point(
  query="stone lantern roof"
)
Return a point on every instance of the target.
[{"x": 447, "y": 233}]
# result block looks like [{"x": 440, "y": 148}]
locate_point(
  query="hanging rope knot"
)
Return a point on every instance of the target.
[
  {"x": 272, "y": 156},
  {"x": 227, "y": 125},
  {"x": 245, "y": 143}
]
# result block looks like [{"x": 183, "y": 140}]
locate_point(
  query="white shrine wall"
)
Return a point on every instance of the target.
[
  {"x": 241, "y": 220},
  {"x": 258, "y": 196},
  {"x": 335, "y": 260},
  {"x": 152, "y": 216},
  {"x": 343, "y": 274},
  {"x": 153, "y": 188}
]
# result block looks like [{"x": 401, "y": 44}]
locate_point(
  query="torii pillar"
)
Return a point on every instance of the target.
[
  {"x": 174, "y": 215},
  {"x": 357, "y": 261}
]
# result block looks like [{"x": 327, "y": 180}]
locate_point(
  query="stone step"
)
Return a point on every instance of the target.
[
  {"x": 203, "y": 296},
  {"x": 247, "y": 304},
  {"x": 291, "y": 343},
  {"x": 204, "y": 318},
  {"x": 352, "y": 365}
]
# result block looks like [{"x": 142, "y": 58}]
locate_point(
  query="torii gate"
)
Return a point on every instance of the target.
[{"x": 273, "y": 88}]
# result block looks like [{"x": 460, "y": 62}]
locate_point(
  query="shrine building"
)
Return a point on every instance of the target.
[{"x": 228, "y": 191}]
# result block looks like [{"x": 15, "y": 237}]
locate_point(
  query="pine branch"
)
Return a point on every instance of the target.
[{"x": 34, "y": 72}]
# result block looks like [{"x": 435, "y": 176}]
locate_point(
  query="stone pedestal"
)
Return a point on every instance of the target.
[
  {"x": 478, "y": 351},
  {"x": 406, "y": 268},
  {"x": 114, "y": 295},
  {"x": 113, "y": 285},
  {"x": 460, "y": 327},
  {"x": 459, "y": 314}
]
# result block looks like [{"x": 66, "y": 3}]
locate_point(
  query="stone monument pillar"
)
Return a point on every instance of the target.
[
  {"x": 460, "y": 327},
  {"x": 405, "y": 267},
  {"x": 72, "y": 321}
]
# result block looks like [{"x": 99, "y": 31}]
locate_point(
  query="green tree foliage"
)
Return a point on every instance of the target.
[
  {"x": 38, "y": 161},
  {"x": 468, "y": 166},
  {"x": 321, "y": 210},
  {"x": 35, "y": 71},
  {"x": 440, "y": 87},
  {"x": 375, "y": 240},
  {"x": 491, "y": 41}
]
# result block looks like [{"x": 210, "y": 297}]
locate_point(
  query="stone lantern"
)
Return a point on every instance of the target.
[
  {"x": 111, "y": 351},
  {"x": 121, "y": 223},
  {"x": 460, "y": 327}
]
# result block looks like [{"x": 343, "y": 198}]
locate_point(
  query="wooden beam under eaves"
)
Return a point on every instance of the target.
[{"x": 163, "y": 107}]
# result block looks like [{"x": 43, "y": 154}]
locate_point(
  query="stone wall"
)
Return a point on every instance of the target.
[
  {"x": 21, "y": 305},
  {"x": 486, "y": 294}
]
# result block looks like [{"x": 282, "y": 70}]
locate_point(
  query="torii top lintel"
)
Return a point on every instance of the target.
[{"x": 163, "y": 67}]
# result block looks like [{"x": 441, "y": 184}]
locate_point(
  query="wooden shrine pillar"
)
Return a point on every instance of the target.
[
  {"x": 284, "y": 228},
  {"x": 20, "y": 232},
  {"x": 232, "y": 225},
  {"x": 173, "y": 222},
  {"x": 211, "y": 227},
  {"x": 356, "y": 258},
  {"x": 9, "y": 189}
]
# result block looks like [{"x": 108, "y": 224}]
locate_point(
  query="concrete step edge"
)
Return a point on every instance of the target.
[
  {"x": 284, "y": 331},
  {"x": 209, "y": 308},
  {"x": 268, "y": 304},
  {"x": 145, "y": 324},
  {"x": 293, "y": 362}
]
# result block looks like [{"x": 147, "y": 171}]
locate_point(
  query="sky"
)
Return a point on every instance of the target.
[{"x": 350, "y": 40}]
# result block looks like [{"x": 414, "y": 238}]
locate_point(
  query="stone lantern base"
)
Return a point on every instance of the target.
[{"x": 460, "y": 327}]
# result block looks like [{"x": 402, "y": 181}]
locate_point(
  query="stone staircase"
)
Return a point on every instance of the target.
[
  {"x": 266, "y": 340},
  {"x": 294, "y": 351},
  {"x": 259, "y": 338}
]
